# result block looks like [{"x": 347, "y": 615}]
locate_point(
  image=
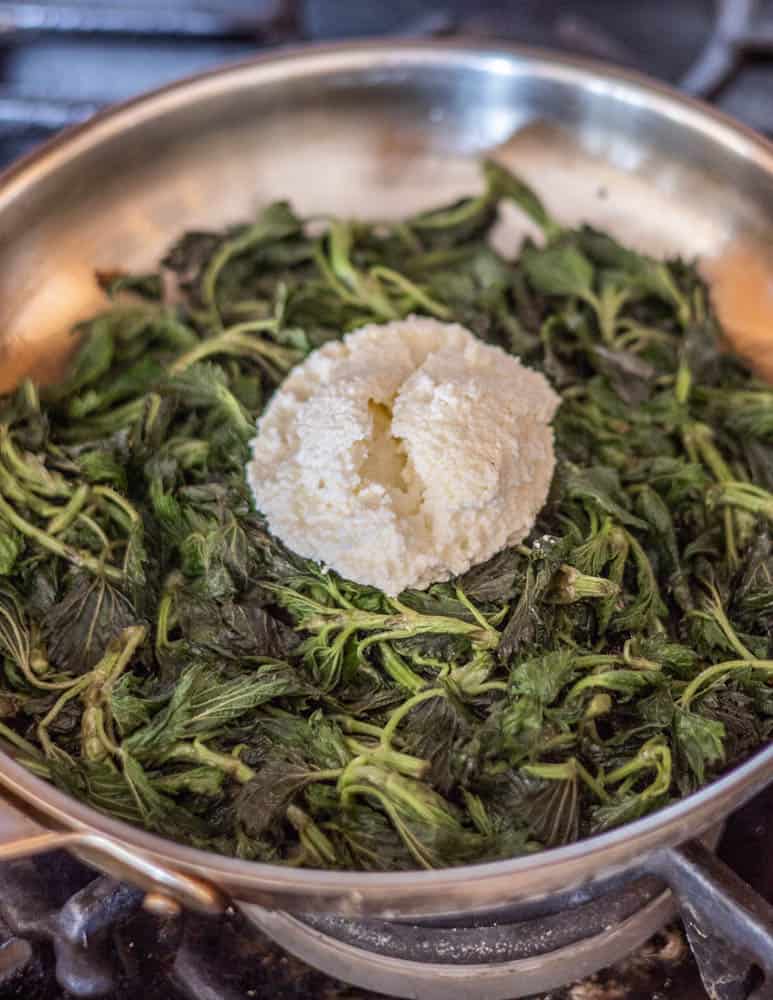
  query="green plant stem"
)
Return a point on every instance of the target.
[
  {"x": 407, "y": 706},
  {"x": 196, "y": 752},
  {"x": 64, "y": 519},
  {"x": 236, "y": 341},
  {"x": 717, "y": 670},
  {"x": 79, "y": 558}
]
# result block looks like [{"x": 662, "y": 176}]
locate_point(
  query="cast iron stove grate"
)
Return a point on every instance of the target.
[{"x": 66, "y": 933}]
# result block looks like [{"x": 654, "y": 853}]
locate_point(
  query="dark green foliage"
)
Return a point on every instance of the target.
[{"x": 168, "y": 661}]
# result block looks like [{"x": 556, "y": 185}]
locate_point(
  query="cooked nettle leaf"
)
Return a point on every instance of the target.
[
  {"x": 11, "y": 547},
  {"x": 202, "y": 703},
  {"x": 559, "y": 269},
  {"x": 531, "y": 617},
  {"x": 262, "y": 802},
  {"x": 235, "y": 629},
  {"x": 641, "y": 275},
  {"x": 78, "y": 628},
  {"x": 700, "y": 740},
  {"x": 167, "y": 660}
]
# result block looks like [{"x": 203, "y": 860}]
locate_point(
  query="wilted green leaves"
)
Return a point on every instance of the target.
[{"x": 167, "y": 660}]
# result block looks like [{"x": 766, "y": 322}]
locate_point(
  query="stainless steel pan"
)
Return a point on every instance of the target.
[{"x": 373, "y": 130}]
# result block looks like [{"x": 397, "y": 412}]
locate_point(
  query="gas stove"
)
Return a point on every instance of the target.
[{"x": 66, "y": 932}]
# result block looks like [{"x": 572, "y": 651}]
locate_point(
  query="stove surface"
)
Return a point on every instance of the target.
[
  {"x": 132, "y": 952},
  {"x": 61, "y": 61}
]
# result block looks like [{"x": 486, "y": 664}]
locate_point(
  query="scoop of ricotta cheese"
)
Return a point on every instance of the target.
[{"x": 404, "y": 454}]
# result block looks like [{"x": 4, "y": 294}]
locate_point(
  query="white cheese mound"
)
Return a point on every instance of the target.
[{"x": 404, "y": 454}]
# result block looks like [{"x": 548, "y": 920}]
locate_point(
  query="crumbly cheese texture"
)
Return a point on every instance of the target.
[{"x": 404, "y": 454}]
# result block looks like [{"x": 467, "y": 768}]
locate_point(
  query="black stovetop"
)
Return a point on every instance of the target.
[
  {"x": 60, "y": 60},
  {"x": 133, "y": 953}
]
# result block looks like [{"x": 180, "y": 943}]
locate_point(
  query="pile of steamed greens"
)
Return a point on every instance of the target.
[{"x": 168, "y": 661}]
